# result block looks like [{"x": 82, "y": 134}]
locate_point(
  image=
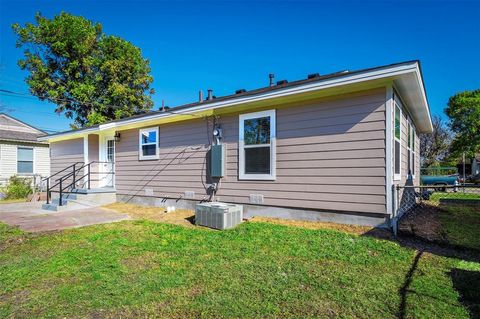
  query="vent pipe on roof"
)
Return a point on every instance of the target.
[
  {"x": 271, "y": 76},
  {"x": 209, "y": 95},
  {"x": 163, "y": 106},
  {"x": 200, "y": 96}
]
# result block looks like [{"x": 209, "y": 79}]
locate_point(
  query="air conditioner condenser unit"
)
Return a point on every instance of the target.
[{"x": 218, "y": 215}]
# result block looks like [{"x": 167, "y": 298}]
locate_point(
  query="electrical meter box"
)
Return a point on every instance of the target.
[{"x": 217, "y": 160}]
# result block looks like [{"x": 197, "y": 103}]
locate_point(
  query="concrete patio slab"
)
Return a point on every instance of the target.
[{"x": 30, "y": 217}]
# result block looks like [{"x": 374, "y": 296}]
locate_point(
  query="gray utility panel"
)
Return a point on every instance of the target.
[
  {"x": 217, "y": 161},
  {"x": 218, "y": 215}
]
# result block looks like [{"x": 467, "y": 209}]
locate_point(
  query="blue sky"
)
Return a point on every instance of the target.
[{"x": 228, "y": 45}]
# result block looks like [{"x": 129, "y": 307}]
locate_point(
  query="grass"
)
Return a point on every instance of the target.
[
  {"x": 143, "y": 268},
  {"x": 437, "y": 196},
  {"x": 461, "y": 225}
]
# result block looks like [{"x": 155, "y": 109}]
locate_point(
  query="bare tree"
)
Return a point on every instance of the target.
[{"x": 434, "y": 147}]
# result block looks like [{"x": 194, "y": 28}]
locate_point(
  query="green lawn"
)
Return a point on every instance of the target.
[
  {"x": 437, "y": 196},
  {"x": 258, "y": 270}
]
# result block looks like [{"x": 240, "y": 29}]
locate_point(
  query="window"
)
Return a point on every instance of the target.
[
  {"x": 397, "y": 135},
  {"x": 110, "y": 151},
  {"x": 148, "y": 145},
  {"x": 411, "y": 150},
  {"x": 257, "y": 145},
  {"x": 24, "y": 160}
]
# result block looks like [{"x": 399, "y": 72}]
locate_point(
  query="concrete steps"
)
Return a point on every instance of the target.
[{"x": 81, "y": 198}]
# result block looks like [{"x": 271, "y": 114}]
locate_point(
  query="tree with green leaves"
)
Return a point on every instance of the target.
[
  {"x": 464, "y": 112},
  {"x": 91, "y": 77}
]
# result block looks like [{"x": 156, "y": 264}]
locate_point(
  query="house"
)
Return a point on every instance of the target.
[
  {"x": 328, "y": 147},
  {"x": 471, "y": 165},
  {"x": 476, "y": 165},
  {"x": 20, "y": 151}
]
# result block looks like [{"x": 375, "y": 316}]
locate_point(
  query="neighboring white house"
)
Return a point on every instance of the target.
[{"x": 20, "y": 152}]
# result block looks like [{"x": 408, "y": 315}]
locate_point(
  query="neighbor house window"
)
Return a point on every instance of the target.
[
  {"x": 25, "y": 160},
  {"x": 411, "y": 150},
  {"x": 257, "y": 145},
  {"x": 148, "y": 145},
  {"x": 397, "y": 134}
]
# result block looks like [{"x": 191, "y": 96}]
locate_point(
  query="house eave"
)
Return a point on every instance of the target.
[{"x": 406, "y": 75}]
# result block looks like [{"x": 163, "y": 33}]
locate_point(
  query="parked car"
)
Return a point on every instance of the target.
[{"x": 441, "y": 181}]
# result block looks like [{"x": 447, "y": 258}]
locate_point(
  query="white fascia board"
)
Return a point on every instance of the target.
[
  {"x": 309, "y": 87},
  {"x": 73, "y": 134},
  {"x": 424, "y": 95}
]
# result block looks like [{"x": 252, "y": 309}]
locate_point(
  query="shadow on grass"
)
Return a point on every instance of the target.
[
  {"x": 420, "y": 244},
  {"x": 405, "y": 289},
  {"x": 467, "y": 283}
]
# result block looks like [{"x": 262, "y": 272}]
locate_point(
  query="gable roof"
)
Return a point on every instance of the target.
[
  {"x": 406, "y": 75},
  {"x": 15, "y": 130}
]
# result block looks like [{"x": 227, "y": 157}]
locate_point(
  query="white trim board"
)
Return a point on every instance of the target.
[{"x": 389, "y": 149}]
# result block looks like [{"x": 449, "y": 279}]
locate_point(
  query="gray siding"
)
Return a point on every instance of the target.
[
  {"x": 63, "y": 154},
  {"x": 330, "y": 156}
]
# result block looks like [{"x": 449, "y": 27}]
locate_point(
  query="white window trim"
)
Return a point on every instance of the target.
[
  {"x": 397, "y": 177},
  {"x": 142, "y": 157},
  {"x": 33, "y": 161},
  {"x": 409, "y": 149},
  {"x": 241, "y": 147}
]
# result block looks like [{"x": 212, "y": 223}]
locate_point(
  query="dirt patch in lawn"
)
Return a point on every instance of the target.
[
  {"x": 186, "y": 217},
  {"x": 182, "y": 217},
  {"x": 358, "y": 230},
  {"x": 455, "y": 225},
  {"x": 424, "y": 223}
]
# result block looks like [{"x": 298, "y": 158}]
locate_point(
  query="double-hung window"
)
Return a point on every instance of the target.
[
  {"x": 24, "y": 160},
  {"x": 411, "y": 150},
  {"x": 148, "y": 143},
  {"x": 397, "y": 136},
  {"x": 257, "y": 141}
]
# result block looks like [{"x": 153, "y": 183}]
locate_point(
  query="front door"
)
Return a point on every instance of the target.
[{"x": 109, "y": 163}]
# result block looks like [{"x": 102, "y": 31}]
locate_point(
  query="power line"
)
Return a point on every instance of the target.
[{"x": 23, "y": 95}]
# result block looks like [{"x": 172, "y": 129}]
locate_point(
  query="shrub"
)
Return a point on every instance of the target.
[{"x": 18, "y": 188}]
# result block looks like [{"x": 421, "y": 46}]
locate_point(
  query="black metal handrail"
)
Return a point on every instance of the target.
[
  {"x": 76, "y": 178},
  {"x": 47, "y": 179},
  {"x": 63, "y": 170}
]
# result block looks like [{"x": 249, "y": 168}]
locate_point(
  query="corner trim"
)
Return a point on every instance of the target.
[{"x": 389, "y": 148}]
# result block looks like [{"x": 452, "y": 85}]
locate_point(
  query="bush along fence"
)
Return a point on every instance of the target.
[
  {"x": 418, "y": 200},
  {"x": 19, "y": 187}
]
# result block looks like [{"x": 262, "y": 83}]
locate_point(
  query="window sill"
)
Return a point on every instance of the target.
[
  {"x": 148, "y": 158},
  {"x": 247, "y": 177}
]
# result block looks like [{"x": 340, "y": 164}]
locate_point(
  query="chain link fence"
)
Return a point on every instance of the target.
[{"x": 416, "y": 202}]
